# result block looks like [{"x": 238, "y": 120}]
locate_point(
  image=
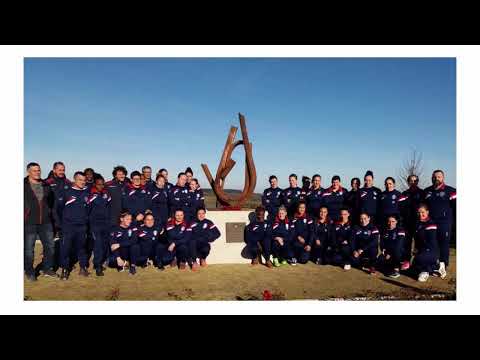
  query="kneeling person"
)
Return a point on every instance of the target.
[
  {"x": 302, "y": 234},
  {"x": 176, "y": 250},
  {"x": 282, "y": 233},
  {"x": 204, "y": 232},
  {"x": 342, "y": 248},
  {"x": 148, "y": 236},
  {"x": 365, "y": 241},
  {"x": 391, "y": 247},
  {"x": 258, "y": 237},
  {"x": 124, "y": 245},
  {"x": 322, "y": 237}
]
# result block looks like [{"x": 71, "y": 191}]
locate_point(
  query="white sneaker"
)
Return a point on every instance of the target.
[
  {"x": 423, "y": 276},
  {"x": 442, "y": 270},
  {"x": 347, "y": 267}
]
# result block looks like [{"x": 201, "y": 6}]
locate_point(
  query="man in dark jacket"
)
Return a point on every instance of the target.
[
  {"x": 116, "y": 189},
  {"x": 37, "y": 221}
]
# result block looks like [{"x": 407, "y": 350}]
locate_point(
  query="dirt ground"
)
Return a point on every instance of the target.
[{"x": 242, "y": 282}]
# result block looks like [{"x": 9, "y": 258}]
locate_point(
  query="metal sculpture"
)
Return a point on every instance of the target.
[{"x": 226, "y": 165}]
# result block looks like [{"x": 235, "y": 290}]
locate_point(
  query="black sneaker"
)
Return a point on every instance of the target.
[
  {"x": 31, "y": 277},
  {"x": 99, "y": 271},
  {"x": 133, "y": 270},
  {"x": 50, "y": 273},
  {"x": 65, "y": 274},
  {"x": 161, "y": 267},
  {"x": 83, "y": 272}
]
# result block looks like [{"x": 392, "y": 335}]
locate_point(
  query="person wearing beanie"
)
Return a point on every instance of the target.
[{"x": 334, "y": 198}]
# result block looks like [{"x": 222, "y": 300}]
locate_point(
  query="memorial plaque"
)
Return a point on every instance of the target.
[{"x": 235, "y": 232}]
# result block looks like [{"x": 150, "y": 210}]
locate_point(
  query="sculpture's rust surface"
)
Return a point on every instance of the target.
[{"x": 226, "y": 165}]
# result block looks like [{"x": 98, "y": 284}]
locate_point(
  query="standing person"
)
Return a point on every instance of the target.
[
  {"x": 334, "y": 198},
  {"x": 291, "y": 195},
  {"x": 159, "y": 200},
  {"x": 124, "y": 244},
  {"x": 322, "y": 237},
  {"x": 204, "y": 232},
  {"x": 258, "y": 238},
  {"x": 136, "y": 199},
  {"x": 305, "y": 188},
  {"x": 147, "y": 174},
  {"x": 365, "y": 241},
  {"x": 369, "y": 197},
  {"x": 37, "y": 221},
  {"x": 176, "y": 251},
  {"x": 272, "y": 198},
  {"x": 89, "y": 183},
  {"x": 148, "y": 235},
  {"x": 178, "y": 195},
  {"x": 99, "y": 223},
  {"x": 164, "y": 173},
  {"x": 314, "y": 196},
  {"x": 116, "y": 189},
  {"x": 89, "y": 178},
  {"x": 390, "y": 203},
  {"x": 189, "y": 174},
  {"x": 413, "y": 197},
  {"x": 351, "y": 200},
  {"x": 282, "y": 233},
  {"x": 391, "y": 248},
  {"x": 72, "y": 204},
  {"x": 302, "y": 235},
  {"x": 342, "y": 248},
  {"x": 196, "y": 199},
  {"x": 426, "y": 256},
  {"x": 441, "y": 200}
]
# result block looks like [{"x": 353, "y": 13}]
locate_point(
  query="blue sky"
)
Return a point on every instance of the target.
[{"x": 326, "y": 116}]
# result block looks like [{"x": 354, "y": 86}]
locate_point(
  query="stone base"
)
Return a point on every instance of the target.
[{"x": 223, "y": 252}]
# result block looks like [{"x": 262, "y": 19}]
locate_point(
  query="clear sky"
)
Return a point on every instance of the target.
[{"x": 326, "y": 116}]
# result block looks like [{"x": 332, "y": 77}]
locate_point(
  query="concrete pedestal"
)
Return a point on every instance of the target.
[{"x": 221, "y": 251}]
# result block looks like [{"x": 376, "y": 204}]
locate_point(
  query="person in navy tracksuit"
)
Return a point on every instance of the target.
[
  {"x": 89, "y": 178},
  {"x": 323, "y": 237},
  {"x": 305, "y": 188},
  {"x": 314, "y": 196},
  {"x": 116, "y": 190},
  {"x": 124, "y": 244},
  {"x": 282, "y": 233},
  {"x": 72, "y": 204},
  {"x": 334, "y": 198},
  {"x": 178, "y": 196},
  {"x": 164, "y": 173},
  {"x": 365, "y": 241},
  {"x": 351, "y": 201},
  {"x": 204, "y": 232},
  {"x": 272, "y": 198},
  {"x": 176, "y": 249},
  {"x": 136, "y": 199},
  {"x": 441, "y": 200},
  {"x": 390, "y": 204},
  {"x": 148, "y": 236},
  {"x": 196, "y": 199},
  {"x": 147, "y": 176},
  {"x": 426, "y": 258},
  {"x": 369, "y": 197},
  {"x": 159, "y": 200},
  {"x": 291, "y": 195},
  {"x": 258, "y": 237},
  {"x": 302, "y": 234},
  {"x": 391, "y": 248},
  {"x": 342, "y": 241},
  {"x": 413, "y": 196},
  {"x": 99, "y": 223}
]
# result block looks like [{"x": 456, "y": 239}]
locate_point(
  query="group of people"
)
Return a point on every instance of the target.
[
  {"x": 137, "y": 221},
  {"x": 364, "y": 226}
]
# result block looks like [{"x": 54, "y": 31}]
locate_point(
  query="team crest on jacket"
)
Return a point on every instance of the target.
[
  {"x": 129, "y": 232},
  {"x": 205, "y": 225},
  {"x": 155, "y": 232},
  {"x": 394, "y": 196},
  {"x": 442, "y": 193},
  {"x": 183, "y": 228}
]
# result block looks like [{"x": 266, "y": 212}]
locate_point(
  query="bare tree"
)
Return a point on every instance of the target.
[{"x": 412, "y": 165}]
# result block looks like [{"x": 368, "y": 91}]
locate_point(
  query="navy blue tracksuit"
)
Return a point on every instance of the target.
[
  {"x": 116, "y": 190},
  {"x": 271, "y": 200},
  {"x": 72, "y": 204},
  {"x": 441, "y": 203},
  {"x": 136, "y": 200},
  {"x": 196, "y": 200},
  {"x": 390, "y": 204},
  {"x": 325, "y": 234},
  {"x": 57, "y": 186},
  {"x": 290, "y": 198},
  {"x": 259, "y": 233},
  {"x": 203, "y": 233},
  {"x": 314, "y": 201},
  {"x": 365, "y": 238},
  {"x": 412, "y": 199},
  {"x": 178, "y": 200},
  {"x": 368, "y": 201},
  {"x": 179, "y": 234},
  {"x": 352, "y": 203},
  {"x": 98, "y": 208},
  {"x": 391, "y": 243},
  {"x": 302, "y": 226},
  {"x": 284, "y": 230},
  {"x": 334, "y": 201},
  {"x": 159, "y": 204},
  {"x": 128, "y": 241},
  {"x": 342, "y": 244},
  {"x": 148, "y": 239},
  {"x": 426, "y": 245}
]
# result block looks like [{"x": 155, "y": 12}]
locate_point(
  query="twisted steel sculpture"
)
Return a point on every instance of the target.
[{"x": 226, "y": 165}]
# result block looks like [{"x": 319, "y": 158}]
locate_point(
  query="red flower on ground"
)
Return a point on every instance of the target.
[{"x": 267, "y": 295}]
